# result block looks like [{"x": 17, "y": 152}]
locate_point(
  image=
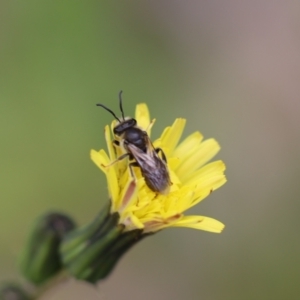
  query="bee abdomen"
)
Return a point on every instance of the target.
[{"x": 158, "y": 181}]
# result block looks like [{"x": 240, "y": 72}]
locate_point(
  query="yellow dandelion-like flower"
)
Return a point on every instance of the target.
[
  {"x": 90, "y": 252},
  {"x": 192, "y": 177}
]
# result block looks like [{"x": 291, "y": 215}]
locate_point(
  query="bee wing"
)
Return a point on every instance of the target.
[
  {"x": 150, "y": 148},
  {"x": 142, "y": 158},
  {"x": 153, "y": 169}
]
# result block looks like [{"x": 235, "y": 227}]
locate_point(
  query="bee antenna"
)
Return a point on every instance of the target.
[
  {"x": 121, "y": 107},
  {"x": 109, "y": 110}
]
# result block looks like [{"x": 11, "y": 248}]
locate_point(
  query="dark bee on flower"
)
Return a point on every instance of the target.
[{"x": 141, "y": 152}]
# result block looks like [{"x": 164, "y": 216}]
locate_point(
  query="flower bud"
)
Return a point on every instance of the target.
[
  {"x": 40, "y": 259},
  {"x": 91, "y": 252}
]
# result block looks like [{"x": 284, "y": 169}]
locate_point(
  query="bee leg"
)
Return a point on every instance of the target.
[
  {"x": 163, "y": 156},
  {"x": 116, "y": 143},
  {"x": 131, "y": 165},
  {"x": 118, "y": 159}
]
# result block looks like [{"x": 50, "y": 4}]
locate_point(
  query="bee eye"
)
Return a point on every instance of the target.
[{"x": 117, "y": 130}]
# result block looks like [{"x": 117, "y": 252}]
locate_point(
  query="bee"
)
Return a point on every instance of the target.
[{"x": 140, "y": 151}]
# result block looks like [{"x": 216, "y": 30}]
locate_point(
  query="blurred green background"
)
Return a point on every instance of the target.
[{"x": 231, "y": 68}]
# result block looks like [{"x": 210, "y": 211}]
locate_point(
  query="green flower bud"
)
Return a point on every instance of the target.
[
  {"x": 91, "y": 252},
  {"x": 12, "y": 291},
  {"x": 40, "y": 259}
]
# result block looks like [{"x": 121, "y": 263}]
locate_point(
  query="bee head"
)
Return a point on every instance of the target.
[{"x": 123, "y": 125}]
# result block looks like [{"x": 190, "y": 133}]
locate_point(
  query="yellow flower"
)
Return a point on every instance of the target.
[
  {"x": 192, "y": 177},
  {"x": 90, "y": 252}
]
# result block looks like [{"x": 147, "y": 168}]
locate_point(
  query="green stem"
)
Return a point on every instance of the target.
[{"x": 53, "y": 282}]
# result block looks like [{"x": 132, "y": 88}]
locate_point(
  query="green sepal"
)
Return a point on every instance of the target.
[
  {"x": 74, "y": 242},
  {"x": 107, "y": 261},
  {"x": 90, "y": 253}
]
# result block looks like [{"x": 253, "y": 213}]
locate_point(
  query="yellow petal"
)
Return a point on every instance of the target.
[
  {"x": 142, "y": 115},
  {"x": 197, "y": 157},
  {"x": 189, "y": 143},
  {"x": 148, "y": 129},
  {"x": 178, "y": 200},
  {"x": 173, "y": 162},
  {"x": 209, "y": 184},
  {"x": 128, "y": 196},
  {"x": 109, "y": 143},
  {"x": 204, "y": 189},
  {"x": 200, "y": 222},
  {"x": 172, "y": 135},
  {"x": 210, "y": 170},
  {"x": 131, "y": 222},
  {"x": 101, "y": 160}
]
